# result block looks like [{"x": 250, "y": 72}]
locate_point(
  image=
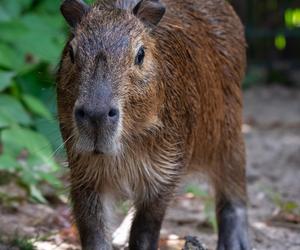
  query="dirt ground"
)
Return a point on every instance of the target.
[{"x": 272, "y": 134}]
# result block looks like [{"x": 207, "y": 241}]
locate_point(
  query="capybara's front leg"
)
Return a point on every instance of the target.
[
  {"x": 90, "y": 215},
  {"x": 146, "y": 225}
]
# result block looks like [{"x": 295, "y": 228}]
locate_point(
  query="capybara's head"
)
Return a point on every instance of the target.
[{"x": 112, "y": 69}]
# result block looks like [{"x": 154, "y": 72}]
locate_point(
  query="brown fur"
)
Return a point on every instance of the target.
[{"x": 181, "y": 112}]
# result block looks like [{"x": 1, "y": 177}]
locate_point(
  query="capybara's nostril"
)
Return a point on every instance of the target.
[
  {"x": 102, "y": 116},
  {"x": 113, "y": 115},
  {"x": 113, "y": 112},
  {"x": 80, "y": 114}
]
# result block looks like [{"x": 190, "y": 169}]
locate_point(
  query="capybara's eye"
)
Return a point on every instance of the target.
[
  {"x": 71, "y": 53},
  {"x": 140, "y": 56}
]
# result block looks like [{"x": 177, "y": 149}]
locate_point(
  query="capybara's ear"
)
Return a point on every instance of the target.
[
  {"x": 149, "y": 11},
  {"x": 73, "y": 11}
]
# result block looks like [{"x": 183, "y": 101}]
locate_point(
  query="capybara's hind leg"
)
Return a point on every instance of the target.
[
  {"x": 232, "y": 225},
  {"x": 231, "y": 199}
]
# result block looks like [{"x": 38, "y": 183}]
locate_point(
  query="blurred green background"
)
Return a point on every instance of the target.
[{"x": 32, "y": 35}]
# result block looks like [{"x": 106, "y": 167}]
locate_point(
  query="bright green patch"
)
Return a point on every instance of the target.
[{"x": 32, "y": 37}]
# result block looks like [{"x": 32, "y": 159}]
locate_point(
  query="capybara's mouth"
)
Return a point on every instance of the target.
[
  {"x": 97, "y": 152},
  {"x": 97, "y": 147}
]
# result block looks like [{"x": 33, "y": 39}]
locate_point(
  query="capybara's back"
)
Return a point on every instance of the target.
[{"x": 149, "y": 92}]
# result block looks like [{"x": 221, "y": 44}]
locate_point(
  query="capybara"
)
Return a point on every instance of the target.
[{"x": 149, "y": 92}]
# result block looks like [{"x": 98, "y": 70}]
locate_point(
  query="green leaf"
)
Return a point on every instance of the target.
[
  {"x": 290, "y": 206},
  {"x": 41, "y": 45},
  {"x": 11, "y": 111},
  {"x": 47, "y": 24},
  {"x": 16, "y": 138},
  {"x": 50, "y": 129},
  {"x": 4, "y": 16},
  {"x": 10, "y": 57},
  {"x": 12, "y": 31},
  {"x": 89, "y": 1},
  {"x": 51, "y": 179},
  {"x": 36, "y": 106},
  {"x": 36, "y": 194},
  {"x": 5, "y": 79},
  {"x": 49, "y": 6},
  {"x": 10, "y": 9},
  {"x": 196, "y": 190},
  {"x": 40, "y": 158},
  {"x": 28, "y": 174},
  {"x": 209, "y": 211},
  {"x": 35, "y": 35},
  {"x": 38, "y": 35},
  {"x": 6, "y": 119},
  {"x": 35, "y": 82},
  {"x": 7, "y": 162}
]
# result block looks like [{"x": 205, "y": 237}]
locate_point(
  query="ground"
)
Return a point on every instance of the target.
[{"x": 272, "y": 134}]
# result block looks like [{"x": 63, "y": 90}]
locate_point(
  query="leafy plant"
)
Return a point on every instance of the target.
[
  {"x": 18, "y": 242},
  {"x": 23, "y": 244},
  {"x": 286, "y": 206},
  {"x": 32, "y": 35},
  {"x": 209, "y": 204}
]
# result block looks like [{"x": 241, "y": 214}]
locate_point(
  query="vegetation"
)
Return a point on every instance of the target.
[
  {"x": 18, "y": 242},
  {"x": 209, "y": 204},
  {"x": 32, "y": 36},
  {"x": 23, "y": 244},
  {"x": 285, "y": 206}
]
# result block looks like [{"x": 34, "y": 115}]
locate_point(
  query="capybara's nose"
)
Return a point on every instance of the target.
[{"x": 104, "y": 116}]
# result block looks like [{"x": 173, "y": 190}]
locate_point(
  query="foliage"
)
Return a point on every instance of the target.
[
  {"x": 18, "y": 242},
  {"x": 124, "y": 206},
  {"x": 32, "y": 36},
  {"x": 23, "y": 244},
  {"x": 209, "y": 204},
  {"x": 284, "y": 206},
  {"x": 272, "y": 33}
]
